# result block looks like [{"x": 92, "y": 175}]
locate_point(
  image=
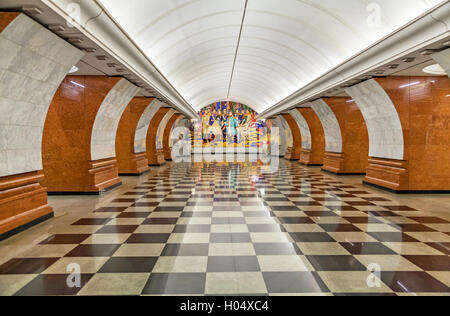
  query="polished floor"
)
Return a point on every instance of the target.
[{"x": 227, "y": 229}]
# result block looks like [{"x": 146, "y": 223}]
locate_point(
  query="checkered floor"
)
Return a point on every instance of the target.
[{"x": 226, "y": 229}]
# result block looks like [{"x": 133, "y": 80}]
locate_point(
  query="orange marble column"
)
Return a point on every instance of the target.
[
  {"x": 66, "y": 146},
  {"x": 355, "y": 139},
  {"x": 423, "y": 106},
  {"x": 128, "y": 162},
  {"x": 294, "y": 152},
  {"x": 166, "y": 137},
  {"x": 313, "y": 157},
  {"x": 155, "y": 157}
]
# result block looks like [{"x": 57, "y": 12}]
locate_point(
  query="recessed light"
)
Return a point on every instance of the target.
[
  {"x": 408, "y": 59},
  {"x": 393, "y": 66},
  {"x": 427, "y": 52},
  {"x": 435, "y": 69},
  {"x": 73, "y": 69}
]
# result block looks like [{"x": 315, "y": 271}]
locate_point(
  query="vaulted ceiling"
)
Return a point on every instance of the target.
[{"x": 257, "y": 51}]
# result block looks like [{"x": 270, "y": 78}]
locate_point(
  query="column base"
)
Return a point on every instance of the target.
[
  {"x": 157, "y": 159},
  {"x": 333, "y": 162},
  {"x": 139, "y": 166},
  {"x": 290, "y": 154},
  {"x": 306, "y": 159},
  {"x": 23, "y": 203},
  {"x": 388, "y": 174},
  {"x": 103, "y": 175},
  {"x": 168, "y": 154}
]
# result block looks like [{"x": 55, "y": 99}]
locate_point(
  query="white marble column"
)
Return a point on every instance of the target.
[
  {"x": 33, "y": 63},
  {"x": 162, "y": 128},
  {"x": 103, "y": 140},
  {"x": 304, "y": 129},
  {"x": 382, "y": 120},
  {"x": 330, "y": 124},
  {"x": 140, "y": 138}
]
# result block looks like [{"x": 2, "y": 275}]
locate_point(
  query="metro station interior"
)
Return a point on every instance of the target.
[{"x": 224, "y": 148}]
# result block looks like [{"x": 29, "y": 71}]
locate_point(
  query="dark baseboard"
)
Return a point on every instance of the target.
[
  {"x": 133, "y": 174},
  {"x": 26, "y": 226},
  {"x": 343, "y": 173},
  {"x": 406, "y": 191},
  {"x": 68, "y": 193},
  {"x": 311, "y": 165},
  {"x": 157, "y": 165}
]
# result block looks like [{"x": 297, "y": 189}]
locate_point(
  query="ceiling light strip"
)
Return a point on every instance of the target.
[{"x": 237, "y": 48}]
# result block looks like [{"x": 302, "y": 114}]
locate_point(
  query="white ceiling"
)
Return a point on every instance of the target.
[{"x": 284, "y": 44}]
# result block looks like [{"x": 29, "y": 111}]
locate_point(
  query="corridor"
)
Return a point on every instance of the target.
[
  {"x": 228, "y": 229},
  {"x": 225, "y": 148}
]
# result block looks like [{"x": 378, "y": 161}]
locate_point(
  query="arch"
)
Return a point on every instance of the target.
[
  {"x": 304, "y": 129},
  {"x": 287, "y": 132},
  {"x": 166, "y": 137},
  {"x": 155, "y": 156},
  {"x": 140, "y": 137},
  {"x": 276, "y": 122},
  {"x": 313, "y": 156},
  {"x": 330, "y": 124},
  {"x": 104, "y": 131},
  {"x": 294, "y": 152},
  {"x": 162, "y": 128},
  {"x": 355, "y": 140},
  {"x": 129, "y": 162},
  {"x": 382, "y": 120},
  {"x": 67, "y": 144}
]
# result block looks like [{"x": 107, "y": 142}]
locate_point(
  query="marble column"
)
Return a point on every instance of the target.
[
  {"x": 155, "y": 156},
  {"x": 33, "y": 62},
  {"x": 346, "y": 139},
  {"x": 129, "y": 162},
  {"x": 80, "y": 134},
  {"x": 294, "y": 152},
  {"x": 313, "y": 145},
  {"x": 166, "y": 136},
  {"x": 387, "y": 164}
]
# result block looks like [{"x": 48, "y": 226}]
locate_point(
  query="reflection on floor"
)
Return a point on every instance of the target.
[{"x": 226, "y": 229}]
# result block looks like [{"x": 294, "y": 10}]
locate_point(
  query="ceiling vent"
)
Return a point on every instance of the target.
[
  {"x": 75, "y": 40},
  {"x": 57, "y": 28},
  {"x": 90, "y": 50},
  {"x": 408, "y": 59},
  {"x": 32, "y": 10},
  {"x": 393, "y": 66},
  {"x": 101, "y": 57}
]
